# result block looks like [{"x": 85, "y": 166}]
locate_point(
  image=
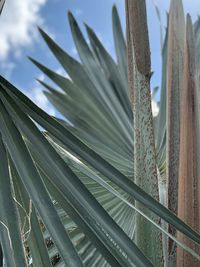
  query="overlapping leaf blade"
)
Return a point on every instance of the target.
[
  {"x": 10, "y": 225},
  {"x": 32, "y": 228},
  {"x": 36, "y": 188},
  {"x": 71, "y": 187},
  {"x": 75, "y": 145}
]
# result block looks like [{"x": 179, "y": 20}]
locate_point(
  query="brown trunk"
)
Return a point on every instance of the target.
[
  {"x": 188, "y": 208},
  {"x": 174, "y": 79}
]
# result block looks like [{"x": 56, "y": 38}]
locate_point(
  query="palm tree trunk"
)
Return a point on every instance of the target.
[
  {"x": 188, "y": 206},
  {"x": 145, "y": 172}
]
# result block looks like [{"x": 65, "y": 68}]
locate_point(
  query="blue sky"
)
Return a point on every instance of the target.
[{"x": 19, "y": 36}]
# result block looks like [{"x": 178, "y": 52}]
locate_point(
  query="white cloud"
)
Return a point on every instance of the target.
[
  {"x": 155, "y": 108},
  {"x": 41, "y": 77},
  {"x": 74, "y": 51},
  {"x": 8, "y": 68},
  {"x": 18, "y": 25},
  {"x": 62, "y": 72},
  {"x": 37, "y": 96}
]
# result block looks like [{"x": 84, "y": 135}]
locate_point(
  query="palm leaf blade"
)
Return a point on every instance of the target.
[{"x": 74, "y": 144}]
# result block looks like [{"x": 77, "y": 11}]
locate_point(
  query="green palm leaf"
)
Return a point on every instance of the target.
[
  {"x": 84, "y": 192},
  {"x": 70, "y": 186}
]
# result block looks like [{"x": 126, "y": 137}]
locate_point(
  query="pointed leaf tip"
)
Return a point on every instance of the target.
[
  {"x": 189, "y": 20},
  {"x": 41, "y": 31},
  {"x": 114, "y": 9},
  {"x": 45, "y": 36},
  {"x": 71, "y": 18},
  {"x": 33, "y": 60},
  {"x": 88, "y": 28},
  {"x": 39, "y": 28}
]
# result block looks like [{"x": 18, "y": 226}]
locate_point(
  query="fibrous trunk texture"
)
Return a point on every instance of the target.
[
  {"x": 174, "y": 78},
  {"x": 188, "y": 207},
  {"x": 148, "y": 238}
]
